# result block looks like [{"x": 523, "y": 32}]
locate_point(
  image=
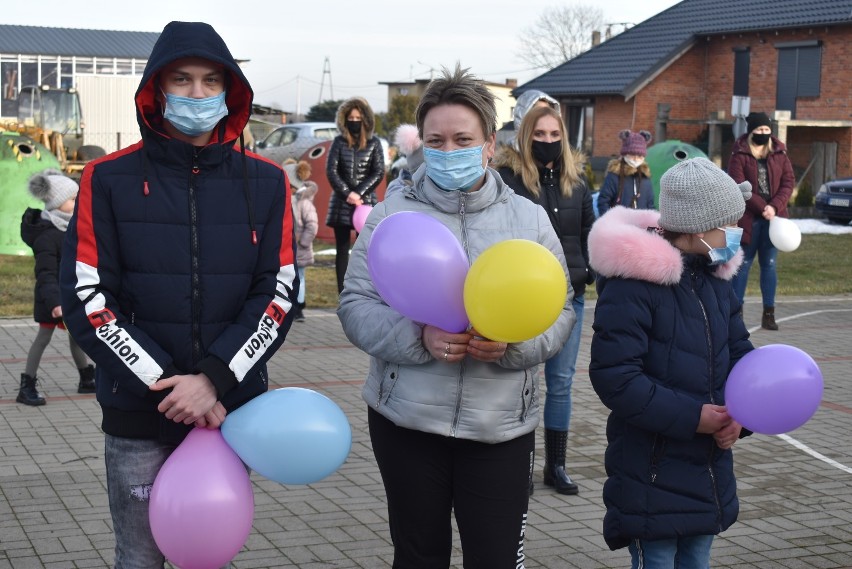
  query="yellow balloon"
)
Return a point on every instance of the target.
[{"x": 514, "y": 291}]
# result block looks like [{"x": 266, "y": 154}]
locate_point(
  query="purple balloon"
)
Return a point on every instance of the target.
[
  {"x": 419, "y": 267},
  {"x": 201, "y": 506},
  {"x": 774, "y": 389}
]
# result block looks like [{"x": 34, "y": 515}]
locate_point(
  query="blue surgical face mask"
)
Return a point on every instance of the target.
[
  {"x": 194, "y": 117},
  {"x": 720, "y": 255},
  {"x": 454, "y": 170}
]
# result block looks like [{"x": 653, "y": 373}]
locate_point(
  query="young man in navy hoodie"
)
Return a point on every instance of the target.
[{"x": 178, "y": 275}]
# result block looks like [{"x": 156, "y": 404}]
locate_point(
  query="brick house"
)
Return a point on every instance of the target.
[{"x": 684, "y": 73}]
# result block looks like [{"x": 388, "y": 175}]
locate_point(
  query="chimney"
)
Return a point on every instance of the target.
[
  {"x": 511, "y": 83},
  {"x": 596, "y": 38}
]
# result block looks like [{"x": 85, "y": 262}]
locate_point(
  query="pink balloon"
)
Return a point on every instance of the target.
[
  {"x": 774, "y": 389},
  {"x": 419, "y": 267},
  {"x": 201, "y": 505},
  {"x": 359, "y": 216}
]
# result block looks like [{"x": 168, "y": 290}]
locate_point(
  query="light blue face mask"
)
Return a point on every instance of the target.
[
  {"x": 719, "y": 255},
  {"x": 194, "y": 117},
  {"x": 454, "y": 170}
]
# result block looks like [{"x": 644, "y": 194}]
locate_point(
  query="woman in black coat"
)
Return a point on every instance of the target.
[
  {"x": 355, "y": 167},
  {"x": 546, "y": 171}
]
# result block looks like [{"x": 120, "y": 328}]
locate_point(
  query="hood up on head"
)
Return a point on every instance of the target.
[
  {"x": 194, "y": 39},
  {"x": 368, "y": 119}
]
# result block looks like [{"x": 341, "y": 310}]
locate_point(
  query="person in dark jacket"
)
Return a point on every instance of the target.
[
  {"x": 628, "y": 178},
  {"x": 667, "y": 332},
  {"x": 761, "y": 159},
  {"x": 355, "y": 167},
  {"x": 546, "y": 171},
  {"x": 178, "y": 275},
  {"x": 44, "y": 230}
]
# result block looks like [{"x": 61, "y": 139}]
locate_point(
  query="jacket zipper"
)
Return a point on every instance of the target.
[
  {"x": 460, "y": 382},
  {"x": 195, "y": 296},
  {"x": 712, "y": 369}
]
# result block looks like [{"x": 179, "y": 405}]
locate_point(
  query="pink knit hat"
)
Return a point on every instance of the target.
[{"x": 634, "y": 142}]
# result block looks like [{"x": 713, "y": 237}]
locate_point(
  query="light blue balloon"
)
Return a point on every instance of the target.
[{"x": 290, "y": 435}]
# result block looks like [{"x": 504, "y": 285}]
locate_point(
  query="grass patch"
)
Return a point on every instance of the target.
[{"x": 819, "y": 267}]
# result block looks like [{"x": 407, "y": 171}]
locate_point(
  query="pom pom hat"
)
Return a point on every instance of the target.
[
  {"x": 635, "y": 143},
  {"x": 53, "y": 188},
  {"x": 697, "y": 196}
]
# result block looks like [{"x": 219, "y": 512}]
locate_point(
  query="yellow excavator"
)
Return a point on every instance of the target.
[{"x": 52, "y": 117}]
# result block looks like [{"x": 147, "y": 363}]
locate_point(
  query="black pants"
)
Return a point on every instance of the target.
[
  {"x": 342, "y": 241},
  {"x": 428, "y": 476}
]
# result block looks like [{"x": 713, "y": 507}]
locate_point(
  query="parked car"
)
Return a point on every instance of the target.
[
  {"x": 292, "y": 140},
  {"x": 834, "y": 200}
]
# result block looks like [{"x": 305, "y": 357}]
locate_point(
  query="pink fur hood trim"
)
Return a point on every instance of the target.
[{"x": 620, "y": 245}]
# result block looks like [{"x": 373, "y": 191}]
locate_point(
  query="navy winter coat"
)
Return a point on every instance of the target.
[
  {"x": 161, "y": 274},
  {"x": 667, "y": 332},
  {"x": 45, "y": 239}
]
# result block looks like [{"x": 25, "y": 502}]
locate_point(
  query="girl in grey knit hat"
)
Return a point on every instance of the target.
[
  {"x": 44, "y": 231},
  {"x": 668, "y": 331}
]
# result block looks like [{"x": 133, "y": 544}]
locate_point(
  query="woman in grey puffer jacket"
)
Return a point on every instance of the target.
[
  {"x": 355, "y": 167},
  {"x": 452, "y": 416}
]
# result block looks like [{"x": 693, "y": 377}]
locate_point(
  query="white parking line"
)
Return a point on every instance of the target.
[{"x": 796, "y": 443}]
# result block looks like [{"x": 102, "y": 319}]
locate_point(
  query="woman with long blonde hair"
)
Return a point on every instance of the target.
[
  {"x": 546, "y": 170},
  {"x": 761, "y": 159}
]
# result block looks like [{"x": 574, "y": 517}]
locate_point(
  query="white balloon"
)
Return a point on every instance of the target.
[{"x": 784, "y": 234}]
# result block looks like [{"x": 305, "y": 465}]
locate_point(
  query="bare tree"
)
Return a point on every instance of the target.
[{"x": 559, "y": 34}]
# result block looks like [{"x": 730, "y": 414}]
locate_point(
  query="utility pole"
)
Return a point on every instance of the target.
[
  {"x": 298, "y": 97},
  {"x": 326, "y": 70}
]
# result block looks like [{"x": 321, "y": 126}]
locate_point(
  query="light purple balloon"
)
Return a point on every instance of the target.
[
  {"x": 419, "y": 267},
  {"x": 774, "y": 389},
  {"x": 359, "y": 216},
  {"x": 201, "y": 506}
]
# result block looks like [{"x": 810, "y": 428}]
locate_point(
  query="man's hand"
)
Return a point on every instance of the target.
[
  {"x": 214, "y": 418},
  {"x": 192, "y": 398}
]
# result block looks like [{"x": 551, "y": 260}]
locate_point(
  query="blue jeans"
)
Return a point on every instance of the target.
[
  {"x": 131, "y": 467},
  {"x": 691, "y": 552},
  {"x": 766, "y": 252},
  {"x": 301, "y": 298},
  {"x": 559, "y": 375}
]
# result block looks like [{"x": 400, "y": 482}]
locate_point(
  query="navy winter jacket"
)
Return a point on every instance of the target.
[
  {"x": 667, "y": 331},
  {"x": 161, "y": 273},
  {"x": 45, "y": 239}
]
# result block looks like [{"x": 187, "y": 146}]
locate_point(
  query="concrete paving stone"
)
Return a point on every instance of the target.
[{"x": 802, "y": 503}]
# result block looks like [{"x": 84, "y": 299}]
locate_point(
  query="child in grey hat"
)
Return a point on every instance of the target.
[
  {"x": 44, "y": 231},
  {"x": 668, "y": 330}
]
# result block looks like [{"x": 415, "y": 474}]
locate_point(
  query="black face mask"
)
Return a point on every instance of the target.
[
  {"x": 546, "y": 152},
  {"x": 354, "y": 127},
  {"x": 759, "y": 139}
]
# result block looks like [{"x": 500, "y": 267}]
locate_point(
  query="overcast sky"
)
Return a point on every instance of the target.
[{"x": 366, "y": 42}]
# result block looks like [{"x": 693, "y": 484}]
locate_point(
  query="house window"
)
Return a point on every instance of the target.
[
  {"x": 798, "y": 73},
  {"x": 579, "y": 117},
  {"x": 742, "y": 65}
]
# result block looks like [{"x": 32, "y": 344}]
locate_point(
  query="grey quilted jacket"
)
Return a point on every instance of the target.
[{"x": 486, "y": 402}]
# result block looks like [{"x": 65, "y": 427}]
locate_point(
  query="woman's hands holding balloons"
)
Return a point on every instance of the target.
[{"x": 453, "y": 348}]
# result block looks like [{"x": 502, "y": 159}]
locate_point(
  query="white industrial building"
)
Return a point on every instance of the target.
[{"x": 104, "y": 66}]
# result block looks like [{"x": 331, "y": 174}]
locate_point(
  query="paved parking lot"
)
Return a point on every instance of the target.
[{"x": 795, "y": 490}]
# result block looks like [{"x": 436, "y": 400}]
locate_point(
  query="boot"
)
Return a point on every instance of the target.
[
  {"x": 768, "y": 320},
  {"x": 87, "y": 379},
  {"x": 28, "y": 394},
  {"x": 555, "y": 445},
  {"x": 298, "y": 312}
]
